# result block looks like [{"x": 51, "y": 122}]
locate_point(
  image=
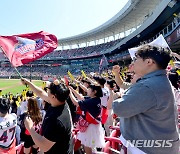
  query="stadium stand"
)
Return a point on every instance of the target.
[{"x": 153, "y": 18}]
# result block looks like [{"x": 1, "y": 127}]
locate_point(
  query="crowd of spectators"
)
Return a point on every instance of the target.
[
  {"x": 40, "y": 71},
  {"x": 97, "y": 98},
  {"x": 82, "y": 52}
]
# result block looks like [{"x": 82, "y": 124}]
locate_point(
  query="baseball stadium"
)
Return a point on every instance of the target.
[{"x": 91, "y": 94}]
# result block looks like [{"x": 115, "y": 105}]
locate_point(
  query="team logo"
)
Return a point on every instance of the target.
[{"x": 25, "y": 45}]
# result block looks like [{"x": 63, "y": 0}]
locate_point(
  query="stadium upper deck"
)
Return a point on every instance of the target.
[
  {"x": 157, "y": 22},
  {"x": 132, "y": 15}
]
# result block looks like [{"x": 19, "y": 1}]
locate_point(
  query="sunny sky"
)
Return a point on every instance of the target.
[{"x": 62, "y": 18}]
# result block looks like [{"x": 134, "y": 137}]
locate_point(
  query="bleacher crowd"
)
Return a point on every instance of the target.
[{"x": 97, "y": 113}]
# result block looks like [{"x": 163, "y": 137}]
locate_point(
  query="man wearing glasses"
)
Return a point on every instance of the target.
[{"x": 147, "y": 109}]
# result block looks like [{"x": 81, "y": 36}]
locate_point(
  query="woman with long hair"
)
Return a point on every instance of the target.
[
  {"x": 56, "y": 131},
  {"x": 34, "y": 111},
  {"x": 35, "y": 114}
]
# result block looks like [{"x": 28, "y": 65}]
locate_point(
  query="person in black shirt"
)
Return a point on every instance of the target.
[{"x": 57, "y": 125}]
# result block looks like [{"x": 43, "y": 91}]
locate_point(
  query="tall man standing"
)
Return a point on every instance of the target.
[
  {"x": 56, "y": 136},
  {"x": 147, "y": 109}
]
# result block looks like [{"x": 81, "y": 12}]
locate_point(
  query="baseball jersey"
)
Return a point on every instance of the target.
[{"x": 7, "y": 130}]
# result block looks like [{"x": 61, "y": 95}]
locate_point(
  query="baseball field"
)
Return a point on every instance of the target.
[{"x": 15, "y": 86}]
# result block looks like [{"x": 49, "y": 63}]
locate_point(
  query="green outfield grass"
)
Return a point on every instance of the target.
[{"x": 14, "y": 85}]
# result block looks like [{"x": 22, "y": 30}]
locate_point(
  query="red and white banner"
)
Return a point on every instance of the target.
[{"x": 24, "y": 48}]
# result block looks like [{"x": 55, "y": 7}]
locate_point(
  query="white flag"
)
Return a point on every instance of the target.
[
  {"x": 132, "y": 52},
  {"x": 160, "y": 42}
]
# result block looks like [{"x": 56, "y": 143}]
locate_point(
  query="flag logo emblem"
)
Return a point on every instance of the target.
[{"x": 25, "y": 45}]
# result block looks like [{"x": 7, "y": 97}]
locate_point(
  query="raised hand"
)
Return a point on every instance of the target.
[
  {"x": 28, "y": 123},
  {"x": 116, "y": 69}
]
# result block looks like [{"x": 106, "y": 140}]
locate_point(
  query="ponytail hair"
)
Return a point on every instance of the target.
[{"x": 98, "y": 90}]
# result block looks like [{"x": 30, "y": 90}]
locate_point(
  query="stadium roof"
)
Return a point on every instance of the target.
[{"x": 130, "y": 16}]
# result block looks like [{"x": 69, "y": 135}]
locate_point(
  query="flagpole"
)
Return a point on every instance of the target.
[
  {"x": 18, "y": 72},
  {"x": 11, "y": 64}
]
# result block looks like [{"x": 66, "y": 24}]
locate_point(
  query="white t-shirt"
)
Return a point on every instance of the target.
[
  {"x": 7, "y": 129},
  {"x": 23, "y": 107},
  {"x": 105, "y": 97}
]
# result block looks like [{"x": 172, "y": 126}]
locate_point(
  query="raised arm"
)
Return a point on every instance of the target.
[
  {"x": 38, "y": 91},
  {"x": 175, "y": 55},
  {"x": 81, "y": 85},
  {"x": 43, "y": 143},
  {"x": 118, "y": 78},
  {"x": 79, "y": 96},
  {"x": 73, "y": 99},
  {"x": 92, "y": 82},
  {"x": 111, "y": 99}
]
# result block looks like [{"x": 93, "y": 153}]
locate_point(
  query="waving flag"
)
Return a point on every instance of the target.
[
  {"x": 103, "y": 63},
  {"x": 160, "y": 41},
  {"x": 132, "y": 52},
  {"x": 24, "y": 48}
]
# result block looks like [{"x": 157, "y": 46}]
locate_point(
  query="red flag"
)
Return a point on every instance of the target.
[{"x": 24, "y": 48}]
